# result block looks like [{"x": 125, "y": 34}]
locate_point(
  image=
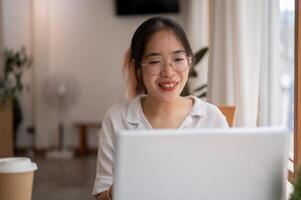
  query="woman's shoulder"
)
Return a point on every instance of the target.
[
  {"x": 205, "y": 106},
  {"x": 209, "y": 111},
  {"x": 117, "y": 109},
  {"x": 121, "y": 109}
]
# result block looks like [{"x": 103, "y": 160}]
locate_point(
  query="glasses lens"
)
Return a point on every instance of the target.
[
  {"x": 180, "y": 62},
  {"x": 154, "y": 65}
]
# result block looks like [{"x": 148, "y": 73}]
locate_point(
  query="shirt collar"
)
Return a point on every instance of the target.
[
  {"x": 198, "y": 108},
  {"x": 134, "y": 110}
]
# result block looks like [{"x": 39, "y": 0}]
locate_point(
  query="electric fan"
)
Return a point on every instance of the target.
[{"x": 60, "y": 92}]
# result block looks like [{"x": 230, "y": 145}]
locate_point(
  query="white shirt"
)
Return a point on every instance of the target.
[{"x": 129, "y": 115}]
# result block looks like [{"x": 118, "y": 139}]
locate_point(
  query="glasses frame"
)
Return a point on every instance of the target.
[{"x": 170, "y": 64}]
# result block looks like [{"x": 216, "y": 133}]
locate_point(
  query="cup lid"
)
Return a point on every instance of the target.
[{"x": 17, "y": 165}]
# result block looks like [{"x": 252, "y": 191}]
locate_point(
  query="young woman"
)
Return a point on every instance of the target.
[{"x": 157, "y": 66}]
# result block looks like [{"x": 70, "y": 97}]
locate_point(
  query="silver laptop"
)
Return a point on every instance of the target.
[{"x": 203, "y": 164}]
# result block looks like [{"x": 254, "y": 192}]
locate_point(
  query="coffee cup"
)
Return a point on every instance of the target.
[{"x": 16, "y": 178}]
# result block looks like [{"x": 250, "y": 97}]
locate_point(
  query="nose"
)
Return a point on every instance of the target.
[{"x": 167, "y": 69}]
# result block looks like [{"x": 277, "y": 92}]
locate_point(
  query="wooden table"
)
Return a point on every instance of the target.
[{"x": 83, "y": 127}]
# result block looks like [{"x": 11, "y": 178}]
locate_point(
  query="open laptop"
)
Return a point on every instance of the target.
[{"x": 203, "y": 164}]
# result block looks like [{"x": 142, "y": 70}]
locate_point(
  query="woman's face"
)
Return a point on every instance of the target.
[{"x": 164, "y": 85}]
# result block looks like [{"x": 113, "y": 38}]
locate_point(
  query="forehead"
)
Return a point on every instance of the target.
[{"x": 163, "y": 42}]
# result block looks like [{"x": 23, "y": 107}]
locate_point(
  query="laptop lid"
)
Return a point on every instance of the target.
[{"x": 204, "y": 164}]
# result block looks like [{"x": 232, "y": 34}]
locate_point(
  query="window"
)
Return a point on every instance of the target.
[
  {"x": 297, "y": 116},
  {"x": 287, "y": 54}
]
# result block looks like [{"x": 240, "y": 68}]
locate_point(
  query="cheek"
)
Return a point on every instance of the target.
[
  {"x": 184, "y": 76},
  {"x": 147, "y": 80}
]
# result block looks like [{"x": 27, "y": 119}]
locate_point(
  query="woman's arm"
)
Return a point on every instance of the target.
[{"x": 105, "y": 160}]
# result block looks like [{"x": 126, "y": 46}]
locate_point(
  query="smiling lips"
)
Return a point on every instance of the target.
[{"x": 168, "y": 85}]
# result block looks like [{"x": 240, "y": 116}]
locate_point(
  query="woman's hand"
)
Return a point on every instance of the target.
[
  {"x": 111, "y": 191},
  {"x": 105, "y": 195}
]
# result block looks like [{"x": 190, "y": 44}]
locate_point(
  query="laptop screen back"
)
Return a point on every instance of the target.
[{"x": 209, "y": 164}]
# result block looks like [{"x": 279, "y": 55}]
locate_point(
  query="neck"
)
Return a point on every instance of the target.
[{"x": 156, "y": 108}]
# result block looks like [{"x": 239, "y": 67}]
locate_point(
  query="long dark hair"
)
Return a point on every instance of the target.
[{"x": 136, "y": 51}]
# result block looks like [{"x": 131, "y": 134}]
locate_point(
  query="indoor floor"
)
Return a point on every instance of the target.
[{"x": 64, "y": 179}]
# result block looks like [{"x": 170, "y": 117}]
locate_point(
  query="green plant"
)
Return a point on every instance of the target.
[
  {"x": 296, "y": 195},
  {"x": 197, "y": 57},
  {"x": 15, "y": 64}
]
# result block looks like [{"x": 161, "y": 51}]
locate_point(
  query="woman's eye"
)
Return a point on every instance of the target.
[
  {"x": 178, "y": 59},
  {"x": 154, "y": 62}
]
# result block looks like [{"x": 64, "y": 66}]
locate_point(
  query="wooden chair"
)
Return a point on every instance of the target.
[{"x": 229, "y": 112}]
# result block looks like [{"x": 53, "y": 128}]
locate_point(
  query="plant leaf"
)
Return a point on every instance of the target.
[
  {"x": 200, "y": 88},
  {"x": 199, "y": 55}
]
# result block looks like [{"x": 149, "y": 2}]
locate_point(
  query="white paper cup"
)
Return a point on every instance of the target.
[{"x": 16, "y": 178}]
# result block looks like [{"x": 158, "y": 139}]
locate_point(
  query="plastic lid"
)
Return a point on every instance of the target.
[{"x": 17, "y": 165}]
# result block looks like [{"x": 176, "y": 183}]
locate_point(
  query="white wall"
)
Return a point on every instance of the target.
[
  {"x": 1, "y": 36},
  {"x": 86, "y": 40},
  {"x": 16, "y": 33}
]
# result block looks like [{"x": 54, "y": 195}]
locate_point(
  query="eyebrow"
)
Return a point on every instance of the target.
[{"x": 159, "y": 54}]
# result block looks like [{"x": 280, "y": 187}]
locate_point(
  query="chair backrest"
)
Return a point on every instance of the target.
[{"x": 229, "y": 112}]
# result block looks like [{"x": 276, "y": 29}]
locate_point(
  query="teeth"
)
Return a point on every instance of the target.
[{"x": 167, "y": 85}]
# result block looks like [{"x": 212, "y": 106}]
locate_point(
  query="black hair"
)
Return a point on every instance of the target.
[{"x": 142, "y": 36}]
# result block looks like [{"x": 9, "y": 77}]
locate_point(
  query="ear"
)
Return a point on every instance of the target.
[
  {"x": 139, "y": 74},
  {"x": 132, "y": 63},
  {"x": 189, "y": 61}
]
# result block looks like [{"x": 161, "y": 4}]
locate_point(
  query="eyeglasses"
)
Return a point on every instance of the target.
[{"x": 155, "y": 64}]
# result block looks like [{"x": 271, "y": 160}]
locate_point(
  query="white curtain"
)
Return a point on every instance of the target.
[
  {"x": 1, "y": 38},
  {"x": 270, "y": 99},
  {"x": 197, "y": 29},
  {"x": 235, "y": 57}
]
